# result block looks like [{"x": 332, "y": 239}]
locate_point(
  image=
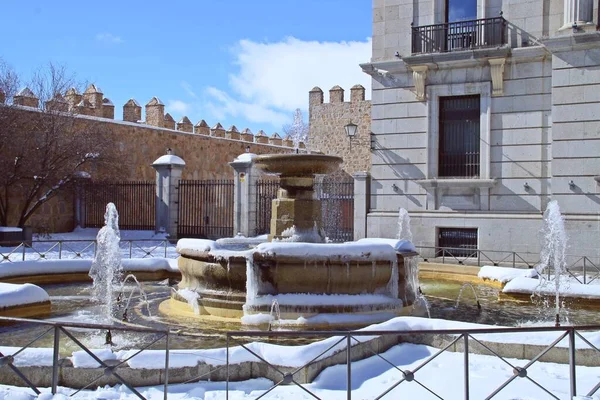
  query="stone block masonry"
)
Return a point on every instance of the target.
[{"x": 327, "y": 121}]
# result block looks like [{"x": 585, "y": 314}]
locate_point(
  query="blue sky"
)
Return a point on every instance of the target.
[{"x": 248, "y": 63}]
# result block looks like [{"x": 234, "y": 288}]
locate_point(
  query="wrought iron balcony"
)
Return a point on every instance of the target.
[{"x": 458, "y": 36}]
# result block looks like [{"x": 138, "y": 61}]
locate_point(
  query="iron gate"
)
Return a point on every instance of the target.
[
  {"x": 135, "y": 202},
  {"x": 205, "y": 209}
]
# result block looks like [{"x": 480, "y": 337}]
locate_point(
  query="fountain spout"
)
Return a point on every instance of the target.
[{"x": 462, "y": 288}]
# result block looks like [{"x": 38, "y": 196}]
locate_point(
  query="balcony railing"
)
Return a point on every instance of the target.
[{"x": 457, "y": 36}]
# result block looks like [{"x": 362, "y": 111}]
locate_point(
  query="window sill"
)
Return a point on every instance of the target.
[{"x": 457, "y": 183}]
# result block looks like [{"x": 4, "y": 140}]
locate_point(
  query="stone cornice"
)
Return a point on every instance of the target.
[
  {"x": 457, "y": 59},
  {"x": 577, "y": 41},
  {"x": 458, "y": 182}
]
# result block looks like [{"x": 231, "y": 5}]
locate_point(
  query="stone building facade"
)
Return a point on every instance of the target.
[
  {"x": 327, "y": 120},
  {"x": 206, "y": 151},
  {"x": 478, "y": 122}
]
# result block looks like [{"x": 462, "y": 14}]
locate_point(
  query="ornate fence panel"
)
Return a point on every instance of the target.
[
  {"x": 135, "y": 202},
  {"x": 205, "y": 209},
  {"x": 336, "y": 195}
]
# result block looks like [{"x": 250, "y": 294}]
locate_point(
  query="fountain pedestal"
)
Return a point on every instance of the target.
[{"x": 296, "y": 213}]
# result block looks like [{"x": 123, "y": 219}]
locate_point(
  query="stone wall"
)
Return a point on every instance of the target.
[
  {"x": 139, "y": 143},
  {"x": 327, "y": 121}
]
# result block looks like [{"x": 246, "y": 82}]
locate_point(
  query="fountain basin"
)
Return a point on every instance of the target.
[
  {"x": 305, "y": 279},
  {"x": 297, "y": 165}
]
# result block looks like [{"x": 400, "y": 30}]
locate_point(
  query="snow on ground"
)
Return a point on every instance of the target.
[
  {"x": 290, "y": 356},
  {"x": 79, "y": 245},
  {"x": 14, "y": 295},
  {"x": 372, "y": 377}
]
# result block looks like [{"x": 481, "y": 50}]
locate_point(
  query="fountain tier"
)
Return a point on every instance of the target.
[
  {"x": 296, "y": 214},
  {"x": 305, "y": 279}
]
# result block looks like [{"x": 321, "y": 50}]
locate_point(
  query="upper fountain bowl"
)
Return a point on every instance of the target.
[{"x": 297, "y": 165}]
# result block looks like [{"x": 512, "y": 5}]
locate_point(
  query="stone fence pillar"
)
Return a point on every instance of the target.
[
  {"x": 168, "y": 173},
  {"x": 244, "y": 204},
  {"x": 361, "y": 203}
]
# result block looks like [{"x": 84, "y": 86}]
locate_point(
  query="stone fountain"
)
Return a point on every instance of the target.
[{"x": 313, "y": 282}]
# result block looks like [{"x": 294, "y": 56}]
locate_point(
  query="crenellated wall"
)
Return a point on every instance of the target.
[
  {"x": 93, "y": 103},
  {"x": 207, "y": 152},
  {"x": 327, "y": 122}
]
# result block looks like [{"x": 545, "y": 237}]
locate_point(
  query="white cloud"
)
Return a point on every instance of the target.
[
  {"x": 109, "y": 38},
  {"x": 178, "y": 107},
  {"x": 273, "y": 79},
  {"x": 188, "y": 89},
  {"x": 253, "y": 112}
]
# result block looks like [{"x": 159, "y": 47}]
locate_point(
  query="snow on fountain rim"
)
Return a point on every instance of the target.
[
  {"x": 367, "y": 250},
  {"x": 548, "y": 288},
  {"x": 62, "y": 266},
  {"x": 503, "y": 274},
  {"x": 322, "y": 299},
  {"x": 401, "y": 246},
  {"x": 12, "y": 294}
]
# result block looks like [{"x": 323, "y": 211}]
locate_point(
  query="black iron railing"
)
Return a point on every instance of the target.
[
  {"x": 461, "y": 35},
  {"x": 205, "y": 209},
  {"x": 135, "y": 202},
  {"x": 466, "y": 341}
]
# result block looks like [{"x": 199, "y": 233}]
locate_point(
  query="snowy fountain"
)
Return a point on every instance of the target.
[{"x": 311, "y": 281}]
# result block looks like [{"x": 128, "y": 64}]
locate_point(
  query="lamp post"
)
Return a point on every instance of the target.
[{"x": 351, "y": 129}]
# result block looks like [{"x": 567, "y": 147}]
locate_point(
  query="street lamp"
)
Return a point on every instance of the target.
[{"x": 351, "y": 129}]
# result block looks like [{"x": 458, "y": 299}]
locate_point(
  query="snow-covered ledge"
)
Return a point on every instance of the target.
[{"x": 472, "y": 194}]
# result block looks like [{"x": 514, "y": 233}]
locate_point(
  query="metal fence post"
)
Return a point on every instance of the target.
[
  {"x": 466, "y": 367},
  {"x": 166, "y": 388},
  {"x": 584, "y": 269},
  {"x": 572, "y": 366},
  {"x": 227, "y": 369},
  {"x": 55, "y": 355},
  {"x": 349, "y": 367},
  {"x": 514, "y": 258},
  {"x": 130, "y": 248},
  {"x": 60, "y": 243}
]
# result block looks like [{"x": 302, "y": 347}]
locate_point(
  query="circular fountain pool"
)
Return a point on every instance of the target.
[
  {"x": 442, "y": 297},
  {"x": 74, "y": 303}
]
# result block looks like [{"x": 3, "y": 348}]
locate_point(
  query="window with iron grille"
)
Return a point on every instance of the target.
[
  {"x": 459, "y": 137},
  {"x": 457, "y": 242}
]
